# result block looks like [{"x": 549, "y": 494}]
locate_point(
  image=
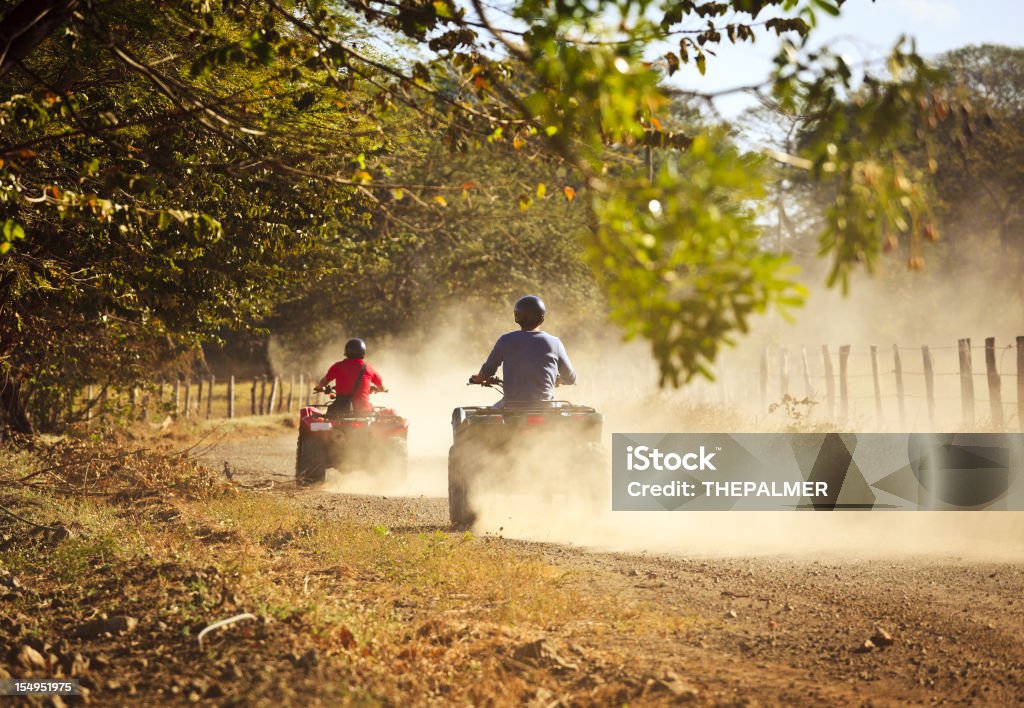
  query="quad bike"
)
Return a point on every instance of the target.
[
  {"x": 349, "y": 440},
  {"x": 554, "y": 443}
]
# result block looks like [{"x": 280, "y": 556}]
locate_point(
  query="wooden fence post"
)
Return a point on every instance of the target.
[
  {"x": 231, "y": 397},
  {"x": 291, "y": 391},
  {"x": 273, "y": 395},
  {"x": 1020, "y": 382},
  {"x": 763, "y": 381},
  {"x": 830, "y": 383},
  {"x": 929, "y": 383},
  {"x": 209, "y": 397},
  {"x": 177, "y": 395},
  {"x": 263, "y": 394},
  {"x": 966, "y": 381},
  {"x": 88, "y": 402},
  {"x": 808, "y": 388},
  {"x": 844, "y": 390},
  {"x": 900, "y": 399},
  {"x": 199, "y": 396},
  {"x": 252, "y": 397},
  {"x": 301, "y": 394},
  {"x": 877, "y": 383},
  {"x": 188, "y": 397},
  {"x": 995, "y": 393},
  {"x": 784, "y": 371}
]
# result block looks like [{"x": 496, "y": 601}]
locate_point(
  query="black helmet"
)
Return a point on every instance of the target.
[
  {"x": 355, "y": 349},
  {"x": 529, "y": 311}
]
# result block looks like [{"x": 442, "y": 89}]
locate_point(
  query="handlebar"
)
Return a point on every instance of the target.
[
  {"x": 495, "y": 382},
  {"x": 329, "y": 389}
]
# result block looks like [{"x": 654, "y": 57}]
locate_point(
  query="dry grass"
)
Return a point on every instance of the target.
[{"x": 392, "y": 616}]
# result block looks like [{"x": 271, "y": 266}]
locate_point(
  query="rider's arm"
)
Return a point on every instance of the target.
[
  {"x": 328, "y": 377},
  {"x": 490, "y": 367},
  {"x": 565, "y": 370},
  {"x": 376, "y": 380}
]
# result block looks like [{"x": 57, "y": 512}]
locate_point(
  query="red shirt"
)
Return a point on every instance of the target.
[{"x": 345, "y": 372}]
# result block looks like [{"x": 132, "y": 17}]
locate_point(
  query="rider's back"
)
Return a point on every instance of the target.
[{"x": 530, "y": 360}]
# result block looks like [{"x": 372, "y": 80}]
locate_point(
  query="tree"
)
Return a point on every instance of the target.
[
  {"x": 970, "y": 167},
  {"x": 982, "y": 184},
  {"x": 505, "y": 227},
  {"x": 149, "y": 144},
  {"x": 145, "y": 227}
]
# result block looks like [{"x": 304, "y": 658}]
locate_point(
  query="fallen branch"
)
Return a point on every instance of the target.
[
  {"x": 194, "y": 450},
  {"x": 26, "y": 521},
  {"x": 224, "y": 623},
  {"x": 64, "y": 465},
  {"x": 266, "y": 487}
]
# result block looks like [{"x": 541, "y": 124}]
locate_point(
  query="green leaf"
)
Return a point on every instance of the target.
[
  {"x": 12, "y": 230},
  {"x": 828, "y": 7}
]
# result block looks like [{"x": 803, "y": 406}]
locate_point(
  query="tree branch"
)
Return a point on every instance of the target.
[{"x": 28, "y": 24}]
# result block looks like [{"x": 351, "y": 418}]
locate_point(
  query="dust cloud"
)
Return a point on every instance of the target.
[
  {"x": 894, "y": 311},
  {"x": 426, "y": 374}
]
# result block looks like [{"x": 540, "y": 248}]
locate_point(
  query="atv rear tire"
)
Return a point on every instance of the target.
[
  {"x": 459, "y": 511},
  {"x": 310, "y": 461}
]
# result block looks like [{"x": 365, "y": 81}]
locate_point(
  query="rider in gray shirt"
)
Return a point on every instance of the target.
[{"x": 531, "y": 360}]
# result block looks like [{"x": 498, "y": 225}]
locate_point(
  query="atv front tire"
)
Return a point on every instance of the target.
[
  {"x": 459, "y": 511},
  {"x": 310, "y": 461}
]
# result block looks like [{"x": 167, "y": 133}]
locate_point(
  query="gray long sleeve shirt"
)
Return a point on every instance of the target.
[{"x": 530, "y": 361}]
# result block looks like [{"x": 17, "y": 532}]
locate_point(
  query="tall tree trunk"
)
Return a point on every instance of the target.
[{"x": 15, "y": 417}]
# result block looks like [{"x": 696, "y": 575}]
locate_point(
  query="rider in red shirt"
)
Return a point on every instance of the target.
[{"x": 345, "y": 374}]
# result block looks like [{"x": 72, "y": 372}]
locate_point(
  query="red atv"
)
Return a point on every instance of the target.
[
  {"x": 349, "y": 440},
  {"x": 546, "y": 448}
]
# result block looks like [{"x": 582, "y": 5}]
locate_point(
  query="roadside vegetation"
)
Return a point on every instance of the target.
[{"x": 113, "y": 563}]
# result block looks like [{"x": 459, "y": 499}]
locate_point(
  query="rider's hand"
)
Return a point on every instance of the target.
[
  {"x": 318, "y": 389},
  {"x": 477, "y": 379}
]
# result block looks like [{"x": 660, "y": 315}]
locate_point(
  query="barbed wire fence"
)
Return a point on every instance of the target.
[
  {"x": 960, "y": 386},
  {"x": 196, "y": 397}
]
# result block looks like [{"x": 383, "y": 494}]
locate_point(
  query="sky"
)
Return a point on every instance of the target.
[{"x": 866, "y": 31}]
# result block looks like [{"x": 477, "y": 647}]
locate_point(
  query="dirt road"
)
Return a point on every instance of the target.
[{"x": 767, "y": 629}]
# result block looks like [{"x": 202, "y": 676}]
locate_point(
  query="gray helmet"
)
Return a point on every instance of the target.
[
  {"x": 355, "y": 349},
  {"x": 530, "y": 311}
]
